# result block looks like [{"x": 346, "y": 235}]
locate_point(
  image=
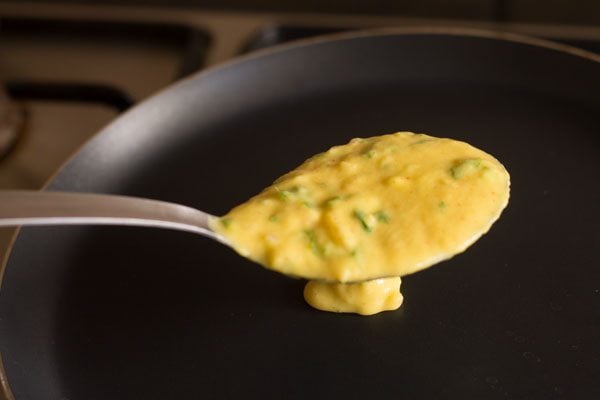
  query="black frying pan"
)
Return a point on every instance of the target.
[{"x": 128, "y": 313}]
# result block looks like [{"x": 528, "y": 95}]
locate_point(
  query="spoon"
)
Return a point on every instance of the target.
[{"x": 28, "y": 207}]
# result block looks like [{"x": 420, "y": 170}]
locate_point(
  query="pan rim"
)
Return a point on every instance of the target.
[{"x": 5, "y": 391}]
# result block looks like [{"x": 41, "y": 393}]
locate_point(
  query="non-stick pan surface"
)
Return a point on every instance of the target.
[{"x": 127, "y": 313}]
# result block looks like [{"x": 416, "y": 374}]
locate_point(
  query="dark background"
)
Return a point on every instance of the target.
[{"x": 543, "y": 11}]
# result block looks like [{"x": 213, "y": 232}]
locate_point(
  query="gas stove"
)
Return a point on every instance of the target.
[{"x": 68, "y": 70}]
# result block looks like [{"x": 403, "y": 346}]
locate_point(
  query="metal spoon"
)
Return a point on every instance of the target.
[
  {"x": 25, "y": 207},
  {"x": 28, "y": 207}
]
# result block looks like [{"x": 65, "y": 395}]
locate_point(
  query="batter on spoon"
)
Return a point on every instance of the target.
[{"x": 380, "y": 207}]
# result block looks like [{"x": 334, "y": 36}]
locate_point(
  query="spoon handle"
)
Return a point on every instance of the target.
[{"x": 24, "y": 207}]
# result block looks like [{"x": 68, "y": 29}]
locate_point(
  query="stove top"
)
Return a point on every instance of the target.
[{"x": 70, "y": 69}]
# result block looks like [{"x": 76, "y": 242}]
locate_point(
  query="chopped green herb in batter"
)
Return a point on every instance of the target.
[
  {"x": 332, "y": 201},
  {"x": 316, "y": 248},
  {"x": 382, "y": 216},
  {"x": 465, "y": 167},
  {"x": 361, "y": 217}
]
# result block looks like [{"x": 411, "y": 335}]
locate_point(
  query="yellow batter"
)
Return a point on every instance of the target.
[
  {"x": 379, "y": 207},
  {"x": 366, "y": 298}
]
